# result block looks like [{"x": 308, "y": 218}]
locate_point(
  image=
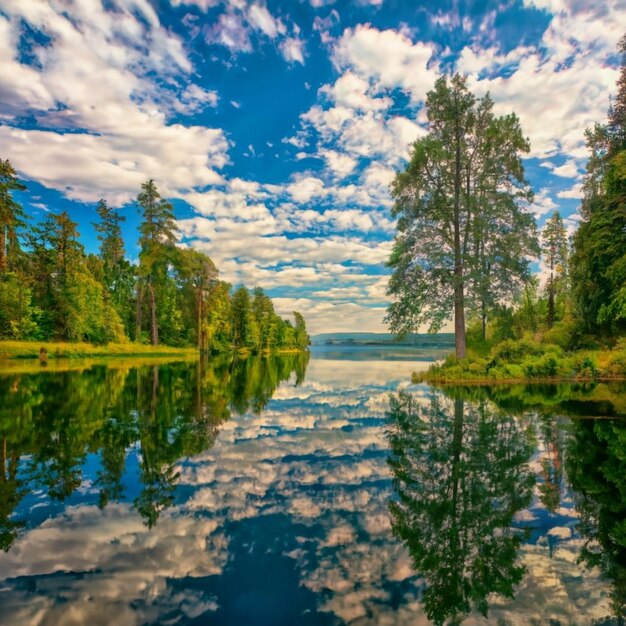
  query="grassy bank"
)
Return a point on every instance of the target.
[
  {"x": 525, "y": 360},
  {"x": 10, "y": 350},
  {"x": 63, "y": 350}
]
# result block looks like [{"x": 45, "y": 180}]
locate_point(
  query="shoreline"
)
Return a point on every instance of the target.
[
  {"x": 492, "y": 382},
  {"x": 523, "y": 362},
  {"x": 12, "y": 351}
]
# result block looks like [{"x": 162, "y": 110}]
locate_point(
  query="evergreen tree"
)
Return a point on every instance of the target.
[
  {"x": 598, "y": 264},
  {"x": 57, "y": 291},
  {"x": 11, "y": 217},
  {"x": 245, "y": 327},
  {"x": 266, "y": 319},
  {"x": 301, "y": 337},
  {"x": 555, "y": 252},
  {"x": 157, "y": 239},
  {"x": 218, "y": 318}
]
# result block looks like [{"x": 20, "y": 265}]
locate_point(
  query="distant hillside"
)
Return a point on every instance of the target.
[{"x": 420, "y": 340}]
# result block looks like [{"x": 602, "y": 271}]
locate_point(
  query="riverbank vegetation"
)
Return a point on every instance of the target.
[
  {"x": 51, "y": 289},
  {"x": 466, "y": 236},
  {"x": 45, "y": 350}
]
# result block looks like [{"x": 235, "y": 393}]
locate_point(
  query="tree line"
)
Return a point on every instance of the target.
[
  {"x": 466, "y": 235},
  {"x": 52, "y": 289}
]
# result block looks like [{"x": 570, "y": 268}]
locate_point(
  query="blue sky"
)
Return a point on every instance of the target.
[{"x": 276, "y": 126}]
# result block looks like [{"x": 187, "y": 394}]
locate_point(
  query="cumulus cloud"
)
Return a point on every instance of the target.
[
  {"x": 388, "y": 57},
  {"x": 236, "y": 26},
  {"x": 118, "y": 116},
  {"x": 560, "y": 87}
]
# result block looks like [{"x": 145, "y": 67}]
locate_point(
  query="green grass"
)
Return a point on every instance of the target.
[
  {"x": 528, "y": 361},
  {"x": 80, "y": 350}
]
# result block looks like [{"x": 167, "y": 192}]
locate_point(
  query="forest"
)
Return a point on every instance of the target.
[
  {"x": 466, "y": 236},
  {"x": 52, "y": 289}
]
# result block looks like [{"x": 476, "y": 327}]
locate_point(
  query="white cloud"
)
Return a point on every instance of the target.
[
  {"x": 340, "y": 164},
  {"x": 388, "y": 57},
  {"x": 231, "y": 31},
  {"x": 351, "y": 91},
  {"x": 569, "y": 169},
  {"x": 194, "y": 99},
  {"x": 204, "y": 5},
  {"x": 120, "y": 114},
  {"x": 543, "y": 204},
  {"x": 573, "y": 193},
  {"x": 261, "y": 19},
  {"x": 292, "y": 50},
  {"x": 379, "y": 175},
  {"x": 306, "y": 188},
  {"x": 560, "y": 93}
]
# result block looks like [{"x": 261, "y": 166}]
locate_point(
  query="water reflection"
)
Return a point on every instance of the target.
[
  {"x": 575, "y": 400},
  {"x": 460, "y": 474},
  {"x": 596, "y": 465},
  {"x": 54, "y": 425},
  {"x": 277, "y": 511}
]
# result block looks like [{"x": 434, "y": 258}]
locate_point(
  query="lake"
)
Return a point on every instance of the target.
[{"x": 293, "y": 490}]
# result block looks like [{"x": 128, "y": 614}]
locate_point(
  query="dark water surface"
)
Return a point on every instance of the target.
[{"x": 291, "y": 491}]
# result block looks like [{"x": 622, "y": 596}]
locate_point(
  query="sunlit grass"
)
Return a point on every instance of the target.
[{"x": 66, "y": 350}]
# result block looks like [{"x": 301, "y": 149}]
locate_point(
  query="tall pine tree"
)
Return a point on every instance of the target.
[
  {"x": 555, "y": 253},
  {"x": 157, "y": 239}
]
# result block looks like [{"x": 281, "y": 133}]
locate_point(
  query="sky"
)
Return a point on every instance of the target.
[{"x": 276, "y": 126}]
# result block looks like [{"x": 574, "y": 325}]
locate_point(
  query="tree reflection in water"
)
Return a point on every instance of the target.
[
  {"x": 596, "y": 466},
  {"x": 460, "y": 474},
  {"x": 50, "y": 423}
]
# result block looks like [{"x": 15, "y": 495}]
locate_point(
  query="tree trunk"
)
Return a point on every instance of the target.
[
  {"x": 154, "y": 329},
  {"x": 459, "y": 317},
  {"x": 4, "y": 459},
  {"x": 139, "y": 312},
  {"x": 459, "y": 296},
  {"x": 551, "y": 305},
  {"x": 199, "y": 317},
  {"x": 3, "y": 245},
  {"x": 483, "y": 318}
]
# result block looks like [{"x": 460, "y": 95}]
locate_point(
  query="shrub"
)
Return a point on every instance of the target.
[
  {"x": 544, "y": 366},
  {"x": 562, "y": 334}
]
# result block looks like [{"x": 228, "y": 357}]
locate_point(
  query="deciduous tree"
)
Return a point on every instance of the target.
[{"x": 460, "y": 203}]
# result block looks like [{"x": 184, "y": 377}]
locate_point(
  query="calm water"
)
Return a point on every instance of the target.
[{"x": 290, "y": 491}]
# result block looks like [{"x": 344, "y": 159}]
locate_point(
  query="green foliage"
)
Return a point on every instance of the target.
[
  {"x": 30, "y": 350},
  {"x": 462, "y": 220},
  {"x": 563, "y": 334},
  {"x": 599, "y": 257},
  {"x": 58, "y": 292},
  {"x": 17, "y": 314},
  {"x": 556, "y": 253},
  {"x": 11, "y": 217},
  {"x": 597, "y": 469}
]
